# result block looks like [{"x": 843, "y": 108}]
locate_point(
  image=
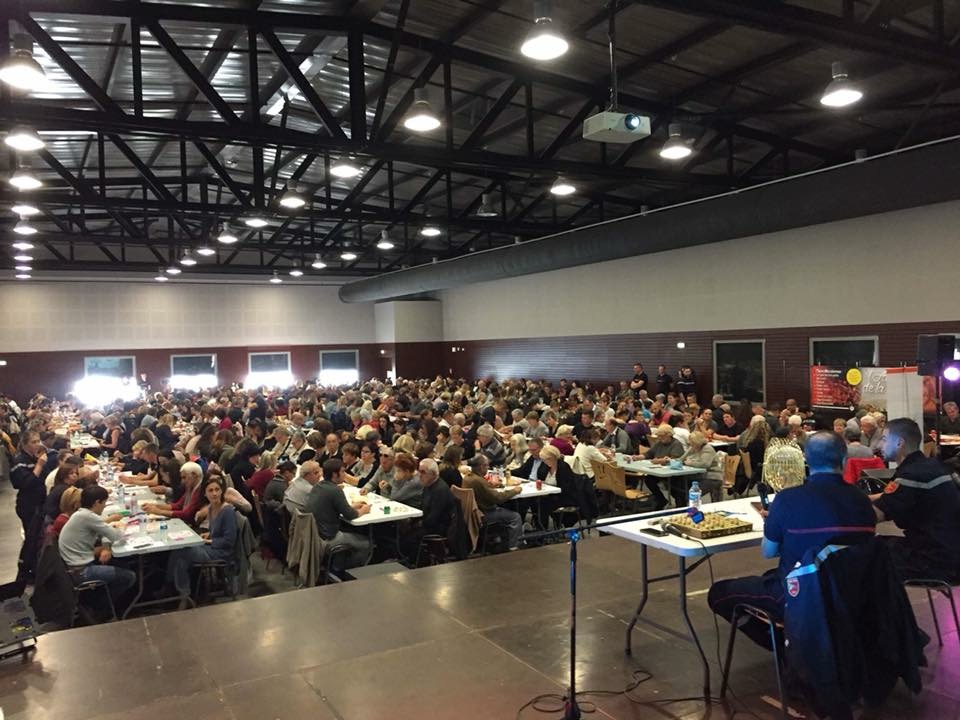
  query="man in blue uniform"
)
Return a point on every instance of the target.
[
  {"x": 824, "y": 510},
  {"x": 924, "y": 501}
]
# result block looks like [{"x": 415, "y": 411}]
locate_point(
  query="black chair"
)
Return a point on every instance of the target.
[
  {"x": 488, "y": 529},
  {"x": 746, "y": 612},
  {"x": 943, "y": 587},
  {"x": 435, "y": 547}
]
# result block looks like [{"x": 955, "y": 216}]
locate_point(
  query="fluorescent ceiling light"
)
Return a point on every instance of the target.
[
  {"x": 841, "y": 92},
  {"x": 544, "y": 41},
  {"x": 23, "y": 140}
]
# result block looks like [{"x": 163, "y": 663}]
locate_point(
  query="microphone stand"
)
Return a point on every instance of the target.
[{"x": 571, "y": 711}]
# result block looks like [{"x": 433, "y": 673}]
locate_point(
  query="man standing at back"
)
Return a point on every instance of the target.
[
  {"x": 924, "y": 502},
  {"x": 823, "y": 511}
]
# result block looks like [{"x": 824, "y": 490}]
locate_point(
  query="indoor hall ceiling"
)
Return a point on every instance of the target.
[{"x": 163, "y": 120}]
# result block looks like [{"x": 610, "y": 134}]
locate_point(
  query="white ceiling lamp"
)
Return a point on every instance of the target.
[
  {"x": 23, "y": 140},
  {"x": 562, "y": 187},
  {"x": 344, "y": 168},
  {"x": 160, "y": 277},
  {"x": 226, "y": 236},
  {"x": 421, "y": 118},
  {"x": 188, "y": 259},
  {"x": 25, "y": 209},
  {"x": 385, "y": 243},
  {"x": 173, "y": 270},
  {"x": 296, "y": 271},
  {"x": 23, "y": 276},
  {"x": 292, "y": 199},
  {"x": 23, "y": 245},
  {"x": 675, "y": 148},
  {"x": 23, "y": 258},
  {"x": 841, "y": 92},
  {"x": 23, "y": 227},
  {"x": 255, "y": 221},
  {"x": 486, "y": 209},
  {"x": 430, "y": 230},
  {"x": 276, "y": 279},
  {"x": 317, "y": 263},
  {"x": 20, "y": 69},
  {"x": 24, "y": 179},
  {"x": 348, "y": 256},
  {"x": 544, "y": 41},
  {"x": 206, "y": 250},
  {"x": 22, "y": 268}
]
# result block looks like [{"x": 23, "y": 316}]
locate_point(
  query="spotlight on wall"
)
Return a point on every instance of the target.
[
  {"x": 681, "y": 345},
  {"x": 951, "y": 373}
]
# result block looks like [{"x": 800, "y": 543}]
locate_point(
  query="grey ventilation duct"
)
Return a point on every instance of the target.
[{"x": 917, "y": 176}]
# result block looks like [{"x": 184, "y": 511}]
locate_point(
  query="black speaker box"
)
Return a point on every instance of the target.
[{"x": 934, "y": 352}]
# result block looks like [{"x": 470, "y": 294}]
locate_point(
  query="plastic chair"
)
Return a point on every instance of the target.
[
  {"x": 941, "y": 586},
  {"x": 90, "y": 587},
  {"x": 730, "y": 465},
  {"x": 618, "y": 486},
  {"x": 745, "y": 612}
]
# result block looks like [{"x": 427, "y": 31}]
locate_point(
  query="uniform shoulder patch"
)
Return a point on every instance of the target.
[{"x": 891, "y": 487}]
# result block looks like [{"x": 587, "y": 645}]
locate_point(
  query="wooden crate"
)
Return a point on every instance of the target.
[{"x": 727, "y": 525}]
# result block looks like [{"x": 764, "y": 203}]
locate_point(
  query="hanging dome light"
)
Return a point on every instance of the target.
[
  {"x": 317, "y": 263},
  {"x": 292, "y": 199},
  {"x": 486, "y": 209},
  {"x": 841, "y": 92},
  {"x": 23, "y": 258},
  {"x": 344, "y": 168},
  {"x": 188, "y": 259},
  {"x": 675, "y": 148},
  {"x": 226, "y": 236},
  {"x": 421, "y": 117},
  {"x": 23, "y": 245},
  {"x": 296, "y": 272},
  {"x": 24, "y": 228},
  {"x": 160, "y": 277},
  {"x": 255, "y": 221},
  {"x": 562, "y": 187},
  {"x": 22, "y": 268},
  {"x": 430, "y": 230},
  {"x": 23, "y": 276},
  {"x": 544, "y": 41},
  {"x": 206, "y": 250},
  {"x": 23, "y": 140},
  {"x": 276, "y": 279},
  {"x": 20, "y": 69},
  {"x": 347, "y": 255},
  {"x": 25, "y": 209},
  {"x": 173, "y": 270},
  {"x": 385, "y": 243},
  {"x": 24, "y": 179}
]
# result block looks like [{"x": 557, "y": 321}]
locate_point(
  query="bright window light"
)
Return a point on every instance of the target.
[
  {"x": 332, "y": 378},
  {"x": 273, "y": 378},
  {"x": 193, "y": 382},
  {"x": 102, "y": 390}
]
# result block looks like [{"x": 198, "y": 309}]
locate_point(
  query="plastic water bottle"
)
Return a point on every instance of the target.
[
  {"x": 693, "y": 499},
  {"x": 163, "y": 531},
  {"x": 122, "y": 495},
  {"x": 142, "y": 519}
]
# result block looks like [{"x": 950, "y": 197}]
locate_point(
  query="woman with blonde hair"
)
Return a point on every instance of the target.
[
  {"x": 69, "y": 504},
  {"x": 755, "y": 441},
  {"x": 404, "y": 444}
]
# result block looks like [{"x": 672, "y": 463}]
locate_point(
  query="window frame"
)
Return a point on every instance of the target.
[
  {"x": 356, "y": 357},
  {"x": 763, "y": 365},
  {"x": 846, "y": 338},
  {"x": 216, "y": 361},
  {"x": 268, "y": 352},
  {"x": 132, "y": 358}
]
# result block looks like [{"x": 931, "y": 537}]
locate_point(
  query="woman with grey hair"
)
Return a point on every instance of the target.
[
  {"x": 517, "y": 454},
  {"x": 700, "y": 454}
]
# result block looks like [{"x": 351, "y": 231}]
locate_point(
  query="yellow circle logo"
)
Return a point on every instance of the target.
[{"x": 854, "y": 376}]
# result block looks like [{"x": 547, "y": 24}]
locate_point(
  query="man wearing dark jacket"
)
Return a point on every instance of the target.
[
  {"x": 27, "y": 475},
  {"x": 438, "y": 500},
  {"x": 823, "y": 511}
]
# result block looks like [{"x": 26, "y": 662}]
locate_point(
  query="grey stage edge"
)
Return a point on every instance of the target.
[{"x": 474, "y": 639}]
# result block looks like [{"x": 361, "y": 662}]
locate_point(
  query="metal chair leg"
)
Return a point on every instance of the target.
[
  {"x": 933, "y": 611},
  {"x": 726, "y": 666},
  {"x": 948, "y": 591},
  {"x": 776, "y": 661}
]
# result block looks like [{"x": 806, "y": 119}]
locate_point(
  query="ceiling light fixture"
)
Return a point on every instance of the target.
[
  {"x": 23, "y": 179},
  {"x": 292, "y": 199},
  {"x": 675, "y": 148},
  {"x": 188, "y": 259},
  {"x": 421, "y": 117},
  {"x": 276, "y": 279},
  {"x": 296, "y": 272},
  {"x": 255, "y": 221},
  {"x": 23, "y": 245},
  {"x": 20, "y": 69},
  {"x": 206, "y": 251},
  {"x": 385, "y": 242},
  {"x": 347, "y": 255},
  {"x": 160, "y": 277},
  {"x": 173, "y": 270},
  {"x": 25, "y": 209},
  {"x": 430, "y": 230},
  {"x": 23, "y": 276},
  {"x": 841, "y": 92},
  {"x": 344, "y": 168},
  {"x": 317, "y": 263},
  {"x": 23, "y": 268},
  {"x": 23, "y": 258},
  {"x": 544, "y": 41},
  {"x": 226, "y": 236},
  {"x": 23, "y": 140},
  {"x": 562, "y": 187},
  {"x": 486, "y": 209},
  {"x": 24, "y": 228}
]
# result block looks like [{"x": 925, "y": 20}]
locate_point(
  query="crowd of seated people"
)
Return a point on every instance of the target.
[{"x": 266, "y": 455}]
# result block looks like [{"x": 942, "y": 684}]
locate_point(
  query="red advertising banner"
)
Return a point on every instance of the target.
[{"x": 830, "y": 388}]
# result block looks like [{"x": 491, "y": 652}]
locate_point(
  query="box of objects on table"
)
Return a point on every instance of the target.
[{"x": 713, "y": 525}]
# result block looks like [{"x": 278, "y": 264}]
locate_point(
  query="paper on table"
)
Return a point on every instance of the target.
[
  {"x": 144, "y": 542},
  {"x": 179, "y": 535}
]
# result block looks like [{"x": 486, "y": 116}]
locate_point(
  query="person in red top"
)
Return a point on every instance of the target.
[
  {"x": 266, "y": 469},
  {"x": 564, "y": 440},
  {"x": 69, "y": 502},
  {"x": 191, "y": 475}
]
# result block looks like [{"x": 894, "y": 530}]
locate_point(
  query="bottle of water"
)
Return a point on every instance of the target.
[
  {"x": 122, "y": 495},
  {"x": 693, "y": 499},
  {"x": 163, "y": 531}
]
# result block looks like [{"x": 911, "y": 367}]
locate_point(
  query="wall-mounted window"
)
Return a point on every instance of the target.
[
  {"x": 339, "y": 367},
  {"x": 739, "y": 370},
  {"x": 844, "y": 352},
  {"x": 193, "y": 372},
  {"x": 121, "y": 366},
  {"x": 269, "y": 368}
]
